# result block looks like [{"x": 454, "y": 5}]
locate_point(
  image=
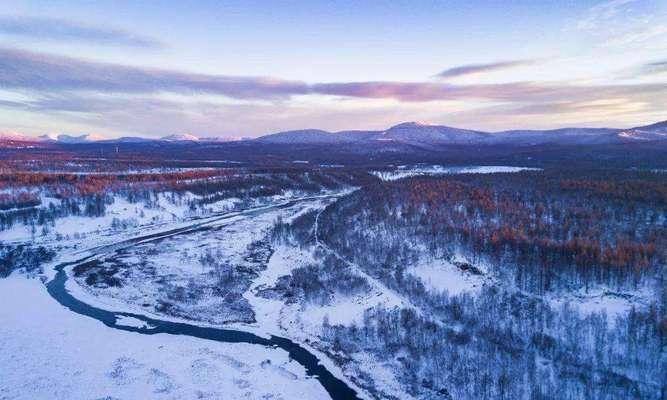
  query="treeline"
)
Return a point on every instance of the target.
[
  {"x": 201, "y": 181},
  {"x": 68, "y": 184},
  {"x": 20, "y": 199},
  {"x": 496, "y": 343},
  {"x": 44, "y": 217},
  {"x": 314, "y": 283},
  {"x": 505, "y": 346},
  {"x": 89, "y": 194},
  {"x": 23, "y": 257},
  {"x": 649, "y": 191},
  {"x": 537, "y": 229},
  {"x": 258, "y": 183}
]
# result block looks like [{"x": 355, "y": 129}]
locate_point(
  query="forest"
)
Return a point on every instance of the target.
[
  {"x": 542, "y": 260},
  {"x": 536, "y": 237},
  {"x": 542, "y": 231},
  {"x": 22, "y": 193}
]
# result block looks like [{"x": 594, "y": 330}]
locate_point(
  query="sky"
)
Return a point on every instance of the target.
[{"x": 246, "y": 68}]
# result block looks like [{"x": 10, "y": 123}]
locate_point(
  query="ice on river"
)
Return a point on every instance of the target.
[{"x": 49, "y": 352}]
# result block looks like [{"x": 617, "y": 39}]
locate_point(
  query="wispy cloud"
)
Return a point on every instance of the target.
[
  {"x": 601, "y": 14},
  {"x": 149, "y": 116},
  {"x": 639, "y": 35},
  {"x": 121, "y": 98},
  {"x": 23, "y": 70},
  {"x": 479, "y": 68},
  {"x": 617, "y": 106},
  {"x": 28, "y": 70},
  {"x": 653, "y": 68},
  {"x": 629, "y": 24},
  {"x": 64, "y": 30},
  {"x": 520, "y": 92}
]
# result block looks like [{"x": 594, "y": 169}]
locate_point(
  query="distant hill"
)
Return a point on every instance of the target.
[
  {"x": 657, "y": 131},
  {"x": 557, "y": 136},
  {"x": 85, "y": 138},
  {"x": 181, "y": 137},
  {"x": 415, "y": 133},
  {"x": 306, "y": 136},
  {"x": 395, "y": 138}
]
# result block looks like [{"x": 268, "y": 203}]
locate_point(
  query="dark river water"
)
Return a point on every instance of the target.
[{"x": 336, "y": 388}]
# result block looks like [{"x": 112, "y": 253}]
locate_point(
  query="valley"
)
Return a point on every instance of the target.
[
  {"x": 359, "y": 274},
  {"x": 313, "y": 200}
]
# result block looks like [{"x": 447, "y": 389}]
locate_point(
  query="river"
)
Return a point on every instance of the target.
[{"x": 337, "y": 389}]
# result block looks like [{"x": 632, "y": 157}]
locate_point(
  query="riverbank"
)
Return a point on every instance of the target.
[{"x": 50, "y": 352}]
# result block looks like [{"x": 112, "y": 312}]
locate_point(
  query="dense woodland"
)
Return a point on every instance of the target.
[
  {"x": 538, "y": 236},
  {"x": 533, "y": 236},
  {"x": 541, "y": 231},
  {"x": 29, "y": 259},
  {"x": 505, "y": 346},
  {"x": 644, "y": 154},
  {"x": 88, "y": 194}
]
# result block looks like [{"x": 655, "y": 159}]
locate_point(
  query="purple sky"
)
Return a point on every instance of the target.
[{"x": 215, "y": 68}]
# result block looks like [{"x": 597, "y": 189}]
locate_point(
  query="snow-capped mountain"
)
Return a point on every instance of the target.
[
  {"x": 407, "y": 133},
  {"x": 174, "y": 138},
  {"x": 14, "y": 139},
  {"x": 219, "y": 139},
  {"x": 180, "y": 137},
  {"x": 15, "y": 136},
  {"x": 415, "y": 133},
  {"x": 657, "y": 131},
  {"x": 85, "y": 138},
  {"x": 47, "y": 138},
  {"x": 129, "y": 139}
]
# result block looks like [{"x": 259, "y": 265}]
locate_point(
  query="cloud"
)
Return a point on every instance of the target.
[
  {"x": 657, "y": 67},
  {"x": 648, "y": 70},
  {"x": 63, "y": 30},
  {"x": 606, "y": 112},
  {"x": 11, "y": 104},
  {"x": 617, "y": 106},
  {"x": 148, "y": 116},
  {"x": 478, "y": 68},
  {"x": 520, "y": 92},
  {"x": 122, "y": 115},
  {"x": 44, "y": 73},
  {"x": 21, "y": 69},
  {"x": 601, "y": 14},
  {"x": 640, "y": 35},
  {"x": 628, "y": 24}
]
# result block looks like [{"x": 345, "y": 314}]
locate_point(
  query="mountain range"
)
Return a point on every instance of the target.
[
  {"x": 415, "y": 133},
  {"x": 411, "y": 133}
]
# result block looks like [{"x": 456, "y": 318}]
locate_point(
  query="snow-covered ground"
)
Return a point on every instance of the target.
[
  {"x": 123, "y": 216},
  {"x": 407, "y": 171},
  {"x": 153, "y": 273},
  {"x": 49, "y": 352},
  {"x": 167, "y": 208},
  {"x": 163, "y": 366},
  {"x": 442, "y": 275},
  {"x": 274, "y": 314},
  {"x": 303, "y": 322},
  {"x": 76, "y": 170},
  {"x": 600, "y": 299},
  {"x": 270, "y": 314},
  {"x": 175, "y": 261}
]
